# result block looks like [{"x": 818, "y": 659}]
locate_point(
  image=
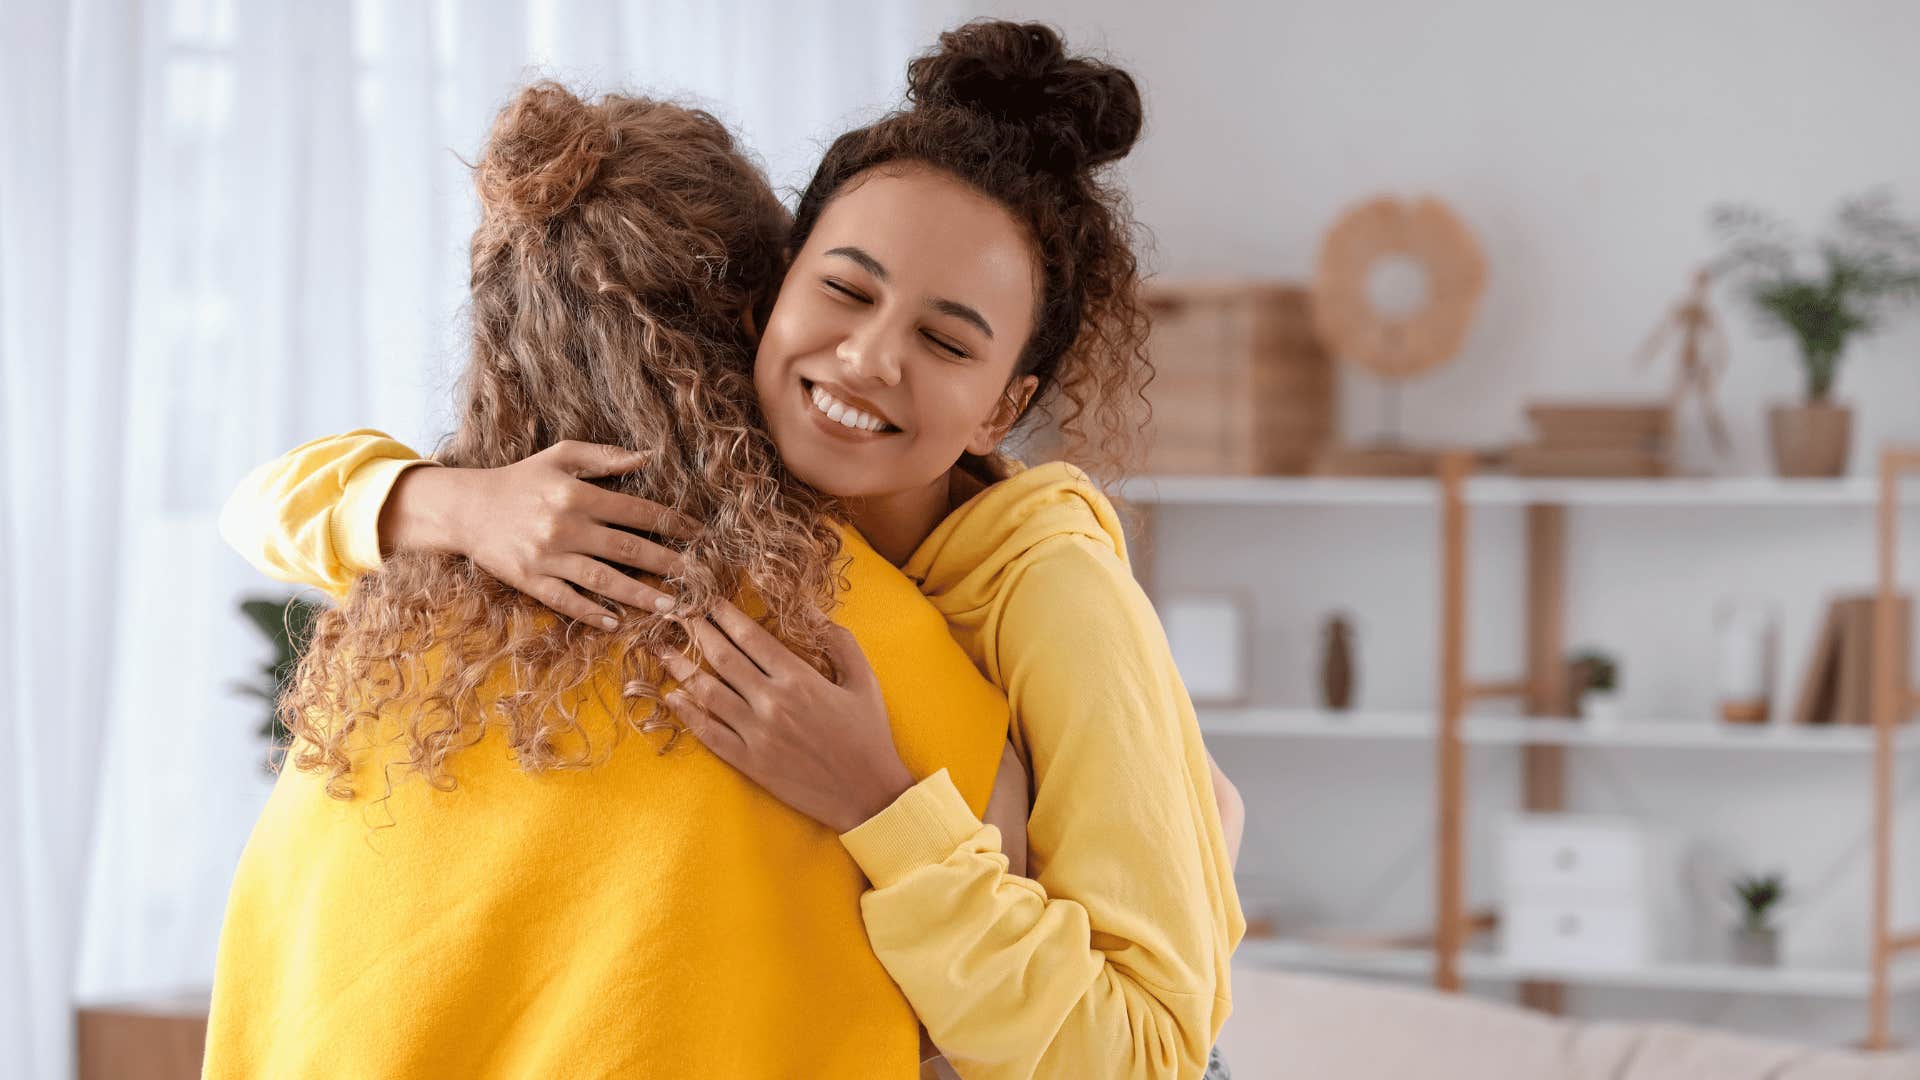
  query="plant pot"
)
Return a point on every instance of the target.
[
  {"x": 1810, "y": 439},
  {"x": 1756, "y": 946},
  {"x": 1600, "y": 709}
]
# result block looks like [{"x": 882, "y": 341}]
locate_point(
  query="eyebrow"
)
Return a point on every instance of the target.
[{"x": 955, "y": 308}]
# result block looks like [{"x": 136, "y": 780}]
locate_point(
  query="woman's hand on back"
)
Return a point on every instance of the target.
[
  {"x": 822, "y": 746},
  {"x": 539, "y": 526}
]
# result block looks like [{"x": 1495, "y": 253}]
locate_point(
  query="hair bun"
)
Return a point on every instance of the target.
[
  {"x": 543, "y": 152},
  {"x": 1081, "y": 113}
]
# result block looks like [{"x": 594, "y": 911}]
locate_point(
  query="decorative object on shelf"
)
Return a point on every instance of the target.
[
  {"x": 1702, "y": 357},
  {"x": 1596, "y": 439},
  {"x": 1756, "y": 941},
  {"x": 1867, "y": 262},
  {"x": 286, "y": 623},
  {"x": 1837, "y": 687},
  {"x": 1207, "y": 633},
  {"x": 1594, "y": 677},
  {"x": 1337, "y": 662},
  {"x": 1394, "y": 294},
  {"x": 1744, "y": 633},
  {"x": 1242, "y": 385},
  {"x": 1590, "y": 892}
]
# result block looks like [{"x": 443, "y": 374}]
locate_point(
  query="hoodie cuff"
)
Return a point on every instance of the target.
[
  {"x": 922, "y": 827},
  {"x": 355, "y": 526}
]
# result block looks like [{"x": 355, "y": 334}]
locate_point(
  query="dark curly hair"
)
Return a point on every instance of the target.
[
  {"x": 622, "y": 244},
  {"x": 1003, "y": 107}
]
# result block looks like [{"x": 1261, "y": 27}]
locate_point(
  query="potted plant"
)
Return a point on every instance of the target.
[
  {"x": 286, "y": 623},
  {"x": 1825, "y": 294},
  {"x": 1596, "y": 687},
  {"x": 1756, "y": 940}
]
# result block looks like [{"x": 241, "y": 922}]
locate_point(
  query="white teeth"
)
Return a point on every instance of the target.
[{"x": 843, "y": 413}]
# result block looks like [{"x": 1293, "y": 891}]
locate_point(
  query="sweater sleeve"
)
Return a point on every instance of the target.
[
  {"x": 1112, "y": 959},
  {"x": 312, "y": 515}
]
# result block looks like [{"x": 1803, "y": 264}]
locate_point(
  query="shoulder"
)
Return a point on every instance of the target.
[{"x": 1074, "y": 592}]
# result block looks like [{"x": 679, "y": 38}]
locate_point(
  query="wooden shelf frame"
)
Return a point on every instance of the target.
[
  {"x": 1545, "y": 765},
  {"x": 1891, "y": 704}
]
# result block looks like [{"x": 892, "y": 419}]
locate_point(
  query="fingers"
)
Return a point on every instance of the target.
[
  {"x": 701, "y": 688},
  {"x": 767, "y": 652},
  {"x": 597, "y": 577},
  {"x": 727, "y": 661},
  {"x": 561, "y": 597},
  {"x": 629, "y": 549},
  {"x": 590, "y": 460},
  {"x": 713, "y": 733},
  {"x": 634, "y": 512},
  {"x": 848, "y": 659}
]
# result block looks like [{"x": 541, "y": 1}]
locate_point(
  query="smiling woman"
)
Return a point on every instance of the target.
[{"x": 908, "y": 305}]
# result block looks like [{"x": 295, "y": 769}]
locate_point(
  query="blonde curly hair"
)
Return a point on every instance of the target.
[{"x": 626, "y": 247}]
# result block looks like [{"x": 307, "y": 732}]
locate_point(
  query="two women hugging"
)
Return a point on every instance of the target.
[{"x": 721, "y": 699}]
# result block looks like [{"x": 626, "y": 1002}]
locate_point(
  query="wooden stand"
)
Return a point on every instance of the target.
[{"x": 1892, "y": 704}]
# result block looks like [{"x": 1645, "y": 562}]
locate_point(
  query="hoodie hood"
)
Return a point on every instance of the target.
[{"x": 963, "y": 565}]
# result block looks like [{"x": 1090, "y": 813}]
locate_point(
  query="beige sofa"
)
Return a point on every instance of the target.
[{"x": 1286, "y": 1025}]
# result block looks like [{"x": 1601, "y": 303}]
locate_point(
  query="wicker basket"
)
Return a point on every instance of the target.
[{"x": 1242, "y": 385}]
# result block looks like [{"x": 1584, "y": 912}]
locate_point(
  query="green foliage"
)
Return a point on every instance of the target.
[
  {"x": 287, "y": 624},
  {"x": 1602, "y": 670},
  {"x": 1867, "y": 263},
  {"x": 1758, "y": 893}
]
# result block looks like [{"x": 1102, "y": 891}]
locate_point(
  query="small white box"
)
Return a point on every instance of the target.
[
  {"x": 1589, "y": 892},
  {"x": 1207, "y": 634}
]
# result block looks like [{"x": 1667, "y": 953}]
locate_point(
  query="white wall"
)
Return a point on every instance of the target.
[{"x": 1584, "y": 144}]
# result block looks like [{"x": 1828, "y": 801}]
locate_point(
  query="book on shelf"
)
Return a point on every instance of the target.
[{"x": 1837, "y": 688}]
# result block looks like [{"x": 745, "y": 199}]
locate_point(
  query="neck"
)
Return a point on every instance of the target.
[{"x": 896, "y": 523}]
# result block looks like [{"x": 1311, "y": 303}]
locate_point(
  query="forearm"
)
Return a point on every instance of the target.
[
  {"x": 1233, "y": 810},
  {"x": 311, "y": 515},
  {"x": 422, "y": 511},
  {"x": 1012, "y": 981}
]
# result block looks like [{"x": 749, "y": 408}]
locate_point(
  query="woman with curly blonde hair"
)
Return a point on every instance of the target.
[{"x": 518, "y": 913}]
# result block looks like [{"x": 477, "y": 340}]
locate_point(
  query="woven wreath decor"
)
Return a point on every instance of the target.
[{"x": 1397, "y": 347}]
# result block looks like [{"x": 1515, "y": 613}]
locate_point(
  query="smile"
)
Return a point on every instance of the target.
[{"x": 846, "y": 416}]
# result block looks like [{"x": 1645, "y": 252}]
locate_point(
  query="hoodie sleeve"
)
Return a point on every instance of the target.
[
  {"x": 312, "y": 515},
  {"x": 1113, "y": 959}
]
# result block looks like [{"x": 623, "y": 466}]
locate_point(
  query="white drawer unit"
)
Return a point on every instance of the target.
[
  {"x": 1598, "y": 937},
  {"x": 1587, "y": 892},
  {"x": 1582, "y": 858}
]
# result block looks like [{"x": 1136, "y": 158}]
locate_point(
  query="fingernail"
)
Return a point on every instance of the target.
[
  {"x": 608, "y": 622},
  {"x": 663, "y": 603}
]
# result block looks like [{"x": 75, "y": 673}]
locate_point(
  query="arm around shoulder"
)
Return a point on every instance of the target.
[{"x": 312, "y": 515}]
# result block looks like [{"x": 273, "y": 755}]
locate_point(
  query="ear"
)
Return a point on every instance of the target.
[{"x": 986, "y": 438}]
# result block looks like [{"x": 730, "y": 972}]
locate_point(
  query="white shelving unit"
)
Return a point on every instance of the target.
[
  {"x": 1497, "y": 730},
  {"x": 1456, "y": 725},
  {"x": 1843, "y": 983},
  {"x": 1499, "y": 491}
]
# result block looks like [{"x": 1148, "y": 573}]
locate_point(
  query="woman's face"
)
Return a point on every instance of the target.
[{"x": 892, "y": 344}]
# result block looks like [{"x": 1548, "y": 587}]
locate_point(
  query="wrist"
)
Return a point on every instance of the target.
[
  {"x": 422, "y": 510},
  {"x": 885, "y": 792}
]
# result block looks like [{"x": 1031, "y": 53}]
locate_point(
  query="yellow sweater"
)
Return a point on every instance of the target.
[
  {"x": 656, "y": 916},
  {"x": 1113, "y": 960},
  {"x": 1116, "y": 952}
]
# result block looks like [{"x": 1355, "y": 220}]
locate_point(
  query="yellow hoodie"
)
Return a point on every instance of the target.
[
  {"x": 1113, "y": 960},
  {"x": 1116, "y": 952},
  {"x": 654, "y": 916}
]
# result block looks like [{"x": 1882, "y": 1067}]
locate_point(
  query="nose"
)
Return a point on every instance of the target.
[{"x": 869, "y": 353}]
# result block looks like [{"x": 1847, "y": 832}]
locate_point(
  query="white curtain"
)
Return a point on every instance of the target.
[{"x": 227, "y": 227}]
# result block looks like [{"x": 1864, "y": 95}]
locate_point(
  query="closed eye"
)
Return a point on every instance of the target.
[
  {"x": 844, "y": 290},
  {"x": 952, "y": 349}
]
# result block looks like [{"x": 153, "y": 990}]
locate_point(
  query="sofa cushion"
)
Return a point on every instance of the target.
[{"x": 1287, "y": 1025}]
